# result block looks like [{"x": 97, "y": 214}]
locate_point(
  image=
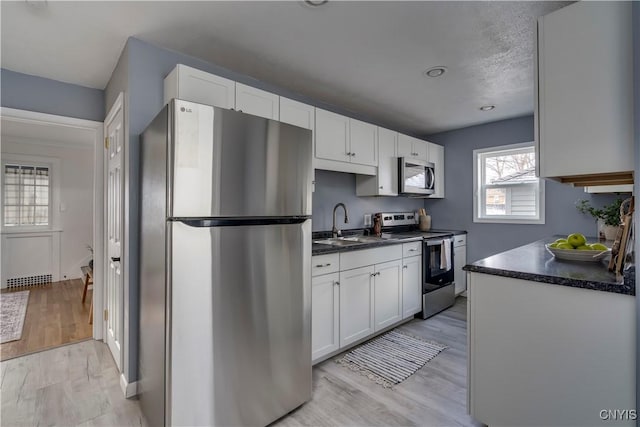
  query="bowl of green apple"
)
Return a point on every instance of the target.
[{"x": 576, "y": 248}]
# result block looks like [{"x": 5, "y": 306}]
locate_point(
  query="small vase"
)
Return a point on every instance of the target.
[{"x": 610, "y": 232}]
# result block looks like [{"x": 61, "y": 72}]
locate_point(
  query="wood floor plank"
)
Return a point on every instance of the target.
[{"x": 55, "y": 316}]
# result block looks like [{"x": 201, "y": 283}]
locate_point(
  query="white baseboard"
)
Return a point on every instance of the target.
[{"x": 128, "y": 389}]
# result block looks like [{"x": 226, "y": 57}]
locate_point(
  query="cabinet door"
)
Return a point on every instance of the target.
[
  {"x": 332, "y": 136},
  {"x": 297, "y": 114},
  {"x": 459, "y": 275},
  {"x": 356, "y": 304},
  {"x": 405, "y": 146},
  {"x": 325, "y": 303},
  {"x": 436, "y": 156},
  {"x": 387, "y": 163},
  {"x": 257, "y": 102},
  {"x": 363, "y": 143},
  {"x": 411, "y": 286},
  {"x": 585, "y": 105},
  {"x": 421, "y": 151},
  {"x": 387, "y": 298},
  {"x": 199, "y": 86}
]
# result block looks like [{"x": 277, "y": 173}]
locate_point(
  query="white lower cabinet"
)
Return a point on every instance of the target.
[
  {"x": 411, "y": 286},
  {"x": 356, "y": 294},
  {"x": 325, "y": 320},
  {"x": 459, "y": 261},
  {"x": 356, "y": 304},
  {"x": 387, "y": 294}
]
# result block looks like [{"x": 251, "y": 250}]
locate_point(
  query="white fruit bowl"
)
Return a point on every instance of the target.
[{"x": 576, "y": 255}]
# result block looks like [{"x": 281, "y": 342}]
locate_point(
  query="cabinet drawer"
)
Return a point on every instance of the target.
[
  {"x": 324, "y": 264},
  {"x": 459, "y": 240},
  {"x": 411, "y": 249},
  {"x": 361, "y": 258}
]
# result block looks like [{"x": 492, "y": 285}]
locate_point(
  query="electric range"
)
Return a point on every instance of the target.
[{"x": 438, "y": 287}]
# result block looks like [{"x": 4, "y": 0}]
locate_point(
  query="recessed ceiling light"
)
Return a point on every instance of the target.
[
  {"x": 487, "y": 107},
  {"x": 315, "y": 3},
  {"x": 435, "y": 71}
]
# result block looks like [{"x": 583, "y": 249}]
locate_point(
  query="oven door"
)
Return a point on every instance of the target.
[
  {"x": 415, "y": 176},
  {"x": 437, "y": 263}
]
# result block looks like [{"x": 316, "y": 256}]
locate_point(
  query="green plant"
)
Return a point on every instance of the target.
[{"x": 610, "y": 214}]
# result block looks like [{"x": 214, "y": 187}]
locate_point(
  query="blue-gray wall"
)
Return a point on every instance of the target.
[
  {"x": 456, "y": 210},
  {"x": 636, "y": 118},
  {"x": 334, "y": 187},
  {"x": 31, "y": 93}
]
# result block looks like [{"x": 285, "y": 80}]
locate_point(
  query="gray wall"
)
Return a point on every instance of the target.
[
  {"x": 636, "y": 103},
  {"x": 334, "y": 187},
  {"x": 456, "y": 210},
  {"x": 31, "y": 93}
]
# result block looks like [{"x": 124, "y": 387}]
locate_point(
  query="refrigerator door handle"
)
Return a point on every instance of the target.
[{"x": 240, "y": 221}]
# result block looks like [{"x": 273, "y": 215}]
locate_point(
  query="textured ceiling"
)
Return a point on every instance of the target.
[{"x": 367, "y": 57}]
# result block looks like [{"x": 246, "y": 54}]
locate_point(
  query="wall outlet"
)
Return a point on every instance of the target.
[{"x": 367, "y": 220}]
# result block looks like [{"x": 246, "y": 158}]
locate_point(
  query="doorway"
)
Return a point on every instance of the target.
[{"x": 51, "y": 227}]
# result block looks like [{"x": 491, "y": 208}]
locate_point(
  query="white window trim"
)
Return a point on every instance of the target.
[
  {"x": 505, "y": 219},
  {"x": 53, "y": 163}
]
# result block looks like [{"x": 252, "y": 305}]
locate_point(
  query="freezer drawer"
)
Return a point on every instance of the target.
[{"x": 240, "y": 338}]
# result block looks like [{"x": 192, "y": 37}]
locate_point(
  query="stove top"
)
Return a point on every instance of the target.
[{"x": 416, "y": 233}]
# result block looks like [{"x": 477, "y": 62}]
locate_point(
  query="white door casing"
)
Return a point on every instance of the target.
[{"x": 114, "y": 289}]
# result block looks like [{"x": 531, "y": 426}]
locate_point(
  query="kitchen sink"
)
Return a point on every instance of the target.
[{"x": 349, "y": 240}]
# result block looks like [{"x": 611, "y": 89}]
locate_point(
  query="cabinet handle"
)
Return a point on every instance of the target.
[
  {"x": 323, "y": 265},
  {"x": 412, "y": 250},
  {"x": 349, "y": 153},
  {"x": 460, "y": 241},
  {"x": 405, "y": 266},
  {"x": 353, "y": 154},
  {"x": 381, "y": 187},
  {"x": 336, "y": 283}
]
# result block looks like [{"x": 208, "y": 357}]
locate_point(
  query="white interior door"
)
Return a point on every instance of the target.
[{"x": 113, "y": 315}]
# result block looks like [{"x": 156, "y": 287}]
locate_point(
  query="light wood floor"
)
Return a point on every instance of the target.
[
  {"x": 436, "y": 395},
  {"x": 73, "y": 385},
  {"x": 55, "y": 316},
  {"x": 78, "y": 385}
]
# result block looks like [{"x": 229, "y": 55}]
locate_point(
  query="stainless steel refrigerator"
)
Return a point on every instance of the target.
[{"x": 225, "y": 279}]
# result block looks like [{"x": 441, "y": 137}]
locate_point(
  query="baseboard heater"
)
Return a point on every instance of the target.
[{"x": 27, "y": 281}]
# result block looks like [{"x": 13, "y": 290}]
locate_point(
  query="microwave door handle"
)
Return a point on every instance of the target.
[{"x": 431, "y": 180}]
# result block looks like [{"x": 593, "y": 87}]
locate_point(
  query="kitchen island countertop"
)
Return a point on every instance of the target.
[{"x": 533, "y": 262}]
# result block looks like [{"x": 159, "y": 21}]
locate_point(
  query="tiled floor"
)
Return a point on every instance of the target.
[{"x": 77, "y": 384}]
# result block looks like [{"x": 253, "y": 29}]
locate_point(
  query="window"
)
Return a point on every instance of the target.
[
  {"x": 26, "y": 195},
  {"x": 506, "y": 187}
]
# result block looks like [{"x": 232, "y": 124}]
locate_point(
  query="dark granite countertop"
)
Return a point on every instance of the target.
[{"x": 533, "y": 262}]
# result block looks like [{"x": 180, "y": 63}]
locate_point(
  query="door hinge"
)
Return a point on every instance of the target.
[
  {"x": 106, "y": 142},
  {"x": 106, "y": 314}
]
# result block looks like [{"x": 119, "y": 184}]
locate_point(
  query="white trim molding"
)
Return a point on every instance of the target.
[{"x": 128, "y": 389}]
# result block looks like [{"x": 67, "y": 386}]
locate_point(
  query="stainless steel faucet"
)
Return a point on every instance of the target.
[{"x": 334, "y": 231}]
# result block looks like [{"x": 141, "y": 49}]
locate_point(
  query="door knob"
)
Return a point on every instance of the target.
[{"x": 115, "y": 259}]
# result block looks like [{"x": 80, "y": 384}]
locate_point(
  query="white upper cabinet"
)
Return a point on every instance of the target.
[
  {"x": 258, "y": 102},
  {"x": 332, "y": 136},
  {"x": 297, "y": 114},
  {"x": 584, "y": 114},
  {"x": 409, "y": 146},
  {"x": 385, "y": 182},
  {"x": 436, "y": 156},
  {"x": 363, "y": 147},
  {"x": 345, "y": 144},
  {"x": 199, "y": 86}
]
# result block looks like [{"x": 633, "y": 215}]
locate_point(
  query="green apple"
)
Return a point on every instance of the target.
[
  {"x": 598, "y": 247},
  {"x": 553, "y": 245},
  {"x": 561, "y": 241},
  {"x": 565, "y": 246},
  {"x": 576, "y": 239},
  {"x": 584, "y": 248}
]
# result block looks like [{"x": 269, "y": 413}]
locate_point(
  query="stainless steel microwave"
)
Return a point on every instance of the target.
[{"x": 416, "y": 177}]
